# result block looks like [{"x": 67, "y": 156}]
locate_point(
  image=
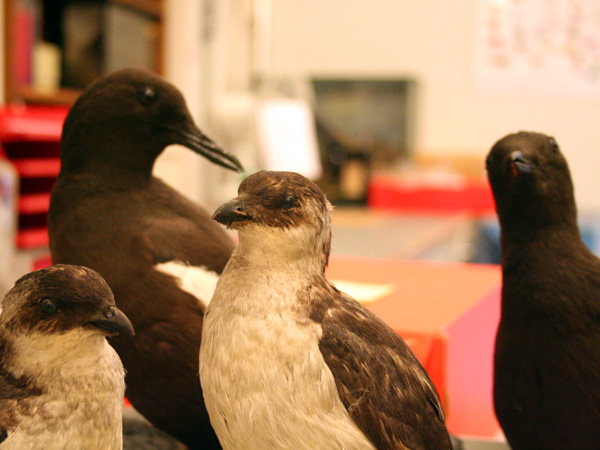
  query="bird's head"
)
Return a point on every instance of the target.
[
  {"x": 280, "y": 216},
  {"x": 125, "y": 120},
  {"x": 530, "y": 180},
  {"x": 60, "y": 299}
]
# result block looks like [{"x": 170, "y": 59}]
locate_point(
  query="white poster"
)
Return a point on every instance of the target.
[
  {"x": 537, "y": 48},
  {"x": 287, "y": 136}
]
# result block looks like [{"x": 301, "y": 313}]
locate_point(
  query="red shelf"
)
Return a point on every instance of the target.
[
  {"x": 30, "y": 137},
  {"x": 27, "y": 123},
  {"x": 33, "y": 238},
  {"x": 34, "y": 203},
  {"x": 37, "y": 167}
]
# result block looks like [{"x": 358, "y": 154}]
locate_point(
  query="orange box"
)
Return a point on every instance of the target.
[{"x": 448, "y": 314}]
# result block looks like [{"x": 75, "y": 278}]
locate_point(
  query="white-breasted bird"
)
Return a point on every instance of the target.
[
  {"x": 290, "y": 362},
  {"x": 61, "y": 383}
]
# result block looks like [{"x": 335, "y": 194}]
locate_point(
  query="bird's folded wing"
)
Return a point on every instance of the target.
[
  {"x": 8, "y": 419},
  {"x": 182, "y": 239},
  {"x": 13, "y": 390},
  {"x": 380, "y": 382}
]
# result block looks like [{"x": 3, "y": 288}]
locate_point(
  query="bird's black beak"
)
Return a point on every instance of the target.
[
  {"x": 520, "y": 164},
  {"x": 113, "y": 320},
  {"x": 192, "y": 138},
  {"x": 231, "y": 212}
]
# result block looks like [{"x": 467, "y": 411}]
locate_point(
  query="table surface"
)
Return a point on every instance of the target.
[{"x": 426, "y": 296}]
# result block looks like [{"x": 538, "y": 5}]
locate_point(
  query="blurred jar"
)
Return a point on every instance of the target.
[{"x": 8, "y": 221}]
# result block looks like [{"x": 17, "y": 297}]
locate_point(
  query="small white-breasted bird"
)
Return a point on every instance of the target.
[
  {"x": 61, "y": 383},
  {"x": 290, "y": 362}
]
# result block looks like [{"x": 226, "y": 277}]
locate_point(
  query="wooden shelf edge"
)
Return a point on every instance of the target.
[
  {"x": 152, "y": 8},
  {"x": 63, "y": 96}
]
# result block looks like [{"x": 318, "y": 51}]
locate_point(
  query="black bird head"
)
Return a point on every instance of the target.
[
  {"x": 280, "y": 209},
  {"x": 530, "y": 180},
  {"x": 122, "y": 122},
  {"x": 61, "y": 298}
]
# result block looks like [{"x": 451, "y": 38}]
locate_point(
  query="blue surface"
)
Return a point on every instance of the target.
[{"x": 487, "y": 239}]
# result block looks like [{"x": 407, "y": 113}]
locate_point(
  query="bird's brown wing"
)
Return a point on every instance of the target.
[
  {"x": 383, "y": 386},
  {"x": 12, "y": 391},
  {"x": 182, "y": 240},
  {"x": 174, "y": 228}
]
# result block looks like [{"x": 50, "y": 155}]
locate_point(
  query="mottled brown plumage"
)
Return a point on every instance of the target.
[
  {"x": 372, "y": 365},
  {"x": 289, "y": 361},
  {"x": 14, "y": 392},
  {"x": 61, "y": 384}
]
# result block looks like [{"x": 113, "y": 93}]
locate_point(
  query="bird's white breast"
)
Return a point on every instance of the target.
[
  {"x": 81, "y": 408},
  {"x": 198, "y": 281},
  {"x": 265, "y": 383}
]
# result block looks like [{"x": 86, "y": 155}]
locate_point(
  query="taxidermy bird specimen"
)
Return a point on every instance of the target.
[
  {"x": 61, "y": 383},
  {"x": 160, "y": 252},
  {"x": 290, "y": 362},
  {"x": 546, "y": 364}
]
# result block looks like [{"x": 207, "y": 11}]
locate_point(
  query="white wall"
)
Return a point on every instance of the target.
[
  {"x": 183, "y": 66},
  {"x": 430, "y": 40},
  {"x": 198, "y": 62}
]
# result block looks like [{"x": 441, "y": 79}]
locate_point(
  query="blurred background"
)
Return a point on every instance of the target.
[{"x": 390, "y": 106}]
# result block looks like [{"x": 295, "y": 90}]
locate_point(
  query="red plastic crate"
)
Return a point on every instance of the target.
[
  {"x": 472, "y": 195},
  {"x": 30, "y": 138},
  {"x": 37, "y": 167},
  {"x": 34, "y": 203},
  {"x": 32, "y": 123}
]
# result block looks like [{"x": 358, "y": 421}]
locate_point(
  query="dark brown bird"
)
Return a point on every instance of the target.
[
  {"x": 546, "y": 364},
  {"x": 61, "y": 384},
  {"x": 290, "y": 362},
  {"x": 159, "y": 252}
]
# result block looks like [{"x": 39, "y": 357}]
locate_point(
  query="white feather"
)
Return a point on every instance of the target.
[
  {"x": 197, "y": 281},
  {"x": 84, "y": 386}
]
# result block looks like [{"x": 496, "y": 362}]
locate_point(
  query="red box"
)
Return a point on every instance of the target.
[{"x": 471, "y": 195}]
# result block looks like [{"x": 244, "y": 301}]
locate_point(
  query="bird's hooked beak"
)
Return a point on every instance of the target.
[
  {"x": 520, "y": 164},
  {"x": 191, "y": 137},
  {"x": 113, "y": 320},
  {"x": 231, "y": 212}
]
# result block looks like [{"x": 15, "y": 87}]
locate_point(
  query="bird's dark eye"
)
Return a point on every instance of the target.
[
  {"x": 147, "y": 95},
  {"x": 47, "y": 306},
  {"x": 289, "y": 201},
  {"x": 553, "y": 143}
]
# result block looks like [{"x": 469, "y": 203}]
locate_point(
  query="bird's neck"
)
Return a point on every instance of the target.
[
  {"x": 299, "y": 249},
  {"x": 102, "y": 180},
  {"x": 40, "y": 354},
  {"x": 114, "y": 165},
  {"x": 532, "y": 224},
  {"x": 20, "y": 382},
  {"x": 523, "y": 232},
  {"x": 521, "y": 248}
]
